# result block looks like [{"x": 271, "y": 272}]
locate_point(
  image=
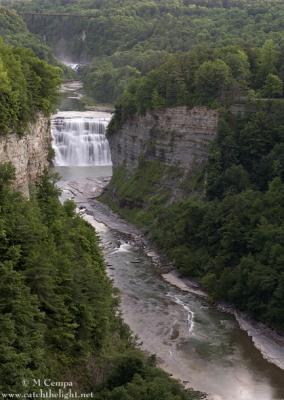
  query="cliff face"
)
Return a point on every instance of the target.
[
  {"x": 28, "y": 153},
  {"x": 175, "y": 136}
]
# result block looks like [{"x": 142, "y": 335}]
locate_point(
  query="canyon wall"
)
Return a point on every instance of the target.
[
  {"x": 175, "y": 136},
  {"x": 28, "y": 153},
  {"x": 156, "y": 157}
]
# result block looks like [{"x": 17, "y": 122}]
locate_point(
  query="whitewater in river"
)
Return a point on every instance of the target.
[{"x": 203, "y": 347}]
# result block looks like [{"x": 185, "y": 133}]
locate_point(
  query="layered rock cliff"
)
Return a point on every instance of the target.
[
  {"x": 28, "y": 153},
  {"x": 156, "y": 157},
  {"x": 175, "y": 136}
]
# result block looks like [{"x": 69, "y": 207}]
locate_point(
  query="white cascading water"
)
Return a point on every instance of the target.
[{"x": 79, "y": 139}]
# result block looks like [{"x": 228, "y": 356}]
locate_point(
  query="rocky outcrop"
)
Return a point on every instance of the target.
[
  {"x": 175, "y": 136},
  {"x": 28, "y": 153}
]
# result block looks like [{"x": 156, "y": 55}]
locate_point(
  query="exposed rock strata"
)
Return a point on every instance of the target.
[
  {"x": 28, "y": 153},
  {"x": 175, "y": 136}
]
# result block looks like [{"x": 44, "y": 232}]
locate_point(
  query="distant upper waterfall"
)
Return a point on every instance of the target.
[{"x": 79, "y": 139}]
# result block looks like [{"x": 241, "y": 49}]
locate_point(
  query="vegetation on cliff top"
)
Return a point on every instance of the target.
[
  {"x": 206, "y": 76},
  {"x": 28, "y": 85},
  {"x": 59, "y": 316}
]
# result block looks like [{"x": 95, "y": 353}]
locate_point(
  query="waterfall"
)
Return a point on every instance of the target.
[{"x": 79, "y": 139}]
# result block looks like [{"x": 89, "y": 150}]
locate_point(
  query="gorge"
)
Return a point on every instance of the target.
[
  {"x": 191, "y": 339},
  {"x": 141, "y": 199},
  {"x": 200, "y": 342}
]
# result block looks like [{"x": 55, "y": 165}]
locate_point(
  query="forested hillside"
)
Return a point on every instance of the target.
[
  {"x": 58, "y": 308},
  {"x": 28, "y": 85},
  {"x": 127, "y": 39},
  {"x": 13, "y": 29}
]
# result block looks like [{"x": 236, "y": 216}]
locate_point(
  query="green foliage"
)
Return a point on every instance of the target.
[
  {"x": 153, "y": 387},
  {"x": 55, "y": 257},
  {"x": 140, "y": 34},
  {"x": 134, "y": 378},
  {"x": 105, "y": 82},
  {"x": 28, "y": 85},
  {"x": 216, "y": 77},
  {"x": 213, "y": 79},
  {"x": 273, "y": 86},
  {"x": 269, "y": 57},
  {"x": 14, "y": 31},
  {"x": 21, "y": 339}
]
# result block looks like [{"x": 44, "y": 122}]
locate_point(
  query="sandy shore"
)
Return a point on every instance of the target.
[{"x": 183, "y": 284}]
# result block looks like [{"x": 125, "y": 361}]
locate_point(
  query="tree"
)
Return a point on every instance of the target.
[
  {"x": 273, "y": 86},
  {"x": 212, "y": 80},
  {"x": 157, "y": 100},
  {"x": 22, "y": 349},
  {"x": 268, "y": 58},
  {"x": 7, "y": 175}
]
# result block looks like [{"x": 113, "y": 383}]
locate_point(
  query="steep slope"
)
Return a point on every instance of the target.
[
  {"x": 29, "y": 90},
  {"x": 174, "y": 136},
  {"x": 29, "y": 153},
  {"x": 14, "y": 31}
]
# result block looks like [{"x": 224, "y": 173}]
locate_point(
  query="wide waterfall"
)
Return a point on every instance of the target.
[{"x": 79, "y": 139}]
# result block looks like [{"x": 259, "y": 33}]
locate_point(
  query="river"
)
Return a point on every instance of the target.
[{"x": 203, "y": 347}]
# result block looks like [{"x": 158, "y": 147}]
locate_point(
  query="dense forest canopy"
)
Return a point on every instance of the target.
[
  {"x": 208, "y": 76},
  {"x": 127, "y": 38},
  {"x": 28, "y": 84}
]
